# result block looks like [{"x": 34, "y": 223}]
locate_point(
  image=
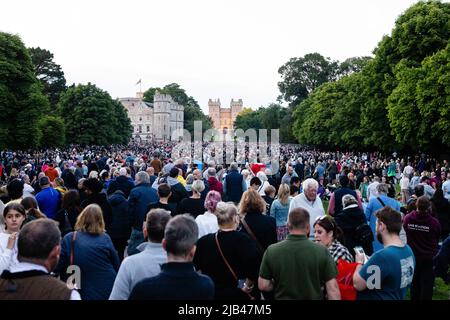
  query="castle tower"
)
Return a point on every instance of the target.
[
  {"x": 161, "y": 106},
  {"x": 214, "y": 112},
  {"x": 236, "y": 108}
]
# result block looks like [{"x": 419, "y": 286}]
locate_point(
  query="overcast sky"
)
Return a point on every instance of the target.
[{"x": 213, "y": 48}]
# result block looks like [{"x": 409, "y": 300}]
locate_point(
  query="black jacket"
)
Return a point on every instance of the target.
[
  {"x": 102, "y": 201},
  {"x": 120, "y": 183},
  {"x": 121, "y": 221},
  {"x": 348, "y": 220}
]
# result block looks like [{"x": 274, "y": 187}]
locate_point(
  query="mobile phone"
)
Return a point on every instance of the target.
[{"x": 360, "y": 250}]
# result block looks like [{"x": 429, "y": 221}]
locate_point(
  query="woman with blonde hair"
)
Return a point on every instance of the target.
[
  {"x": 255, "y": 222},
  {"x": 59, "y": 185},
  {"x": 280, "y": 210},
  {"x": 92, "y": 250}
]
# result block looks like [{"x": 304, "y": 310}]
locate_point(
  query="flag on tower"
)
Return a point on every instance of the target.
[{"x": 139, "y": 82}]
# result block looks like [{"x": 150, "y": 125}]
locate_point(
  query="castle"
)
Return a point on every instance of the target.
[
  {"x": 154, "y": 121},
  {"x": 223, "y": 118}
]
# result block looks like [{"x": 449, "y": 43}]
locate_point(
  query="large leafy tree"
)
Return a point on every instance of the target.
[
  {"x": 21, "y": 99},
  {"x": 352, "y": 65},
  {"x": 49, "y": 74},
  {"x": 249, "y": 119},
  {"x": 300, "y": 76},
  {"x": 419, "y": 107},
  {"x": 52, "y": 132},
  {"x": 92, "y": 117}
]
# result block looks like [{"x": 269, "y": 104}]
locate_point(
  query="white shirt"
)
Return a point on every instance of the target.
[
  {"x": 27, "y": 190},
  {"x": 8, "y": 257},
  {"x": 372, "y": 190},
  {"x": 26, "y": 266},
  {"x": 404, "y": 183},
  {"x": 408, "y": 170},
  {"x": 207, "y": 223},
  {"x": 315, "y": 209}
]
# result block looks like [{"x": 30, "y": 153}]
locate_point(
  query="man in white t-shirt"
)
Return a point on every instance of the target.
[
  {"x": 404, "y": 188},
  {"x": 372, "y": 191},
  {"x": 309, "y": 201}
]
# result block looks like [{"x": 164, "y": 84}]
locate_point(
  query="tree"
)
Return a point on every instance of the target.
[
  {"x": 419, "y": 107},
  {"x": 21, "y": 98},
  {"x": 433, "y": 97},
  {"x": 49, "y": 74},
  {"x": 191, "y": 114},
  {"x": 352, "y": 65},
  {"x": 300, "y": 76},
  {"x": 123, "y": 126},
  {"x": 52, "y": 132},
  {"x": 92, "y": 116},
  {"x": 248, "y": 119}
]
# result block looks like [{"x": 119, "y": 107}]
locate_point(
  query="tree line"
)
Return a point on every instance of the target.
[
  {"x": 396, "y": 100},
  {"x": 38, "y": 110}
]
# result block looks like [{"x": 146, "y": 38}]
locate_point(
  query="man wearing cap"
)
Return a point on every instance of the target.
[{"x": 48, "y": 198}]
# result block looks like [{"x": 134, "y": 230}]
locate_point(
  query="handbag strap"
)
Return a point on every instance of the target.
[
  {"x": 225, "y": 259},
  {"x": 250, "y": 232},
  {"x": 72, "y": 246},
  {"x": 381, "y": 201}
]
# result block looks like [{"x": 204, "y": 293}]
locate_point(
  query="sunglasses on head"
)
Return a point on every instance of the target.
[{"x": 325, "y": 217}]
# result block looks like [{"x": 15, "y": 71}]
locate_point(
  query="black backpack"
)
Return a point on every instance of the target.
[{"x": 363, "y": 234}]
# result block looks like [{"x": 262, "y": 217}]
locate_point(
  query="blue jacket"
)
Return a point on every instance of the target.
[
  {"x": 140, "y": 197},
  {"x": 98, "y": 262},
  {"x": 373, "y": 206}
]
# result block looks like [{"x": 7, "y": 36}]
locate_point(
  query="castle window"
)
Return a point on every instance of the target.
[
  {"x": 140, "y": 129},
  {"x": 148, "y": 128},
  {"x": 140, "y": 118}
]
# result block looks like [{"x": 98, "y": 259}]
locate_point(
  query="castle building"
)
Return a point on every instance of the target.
[
  {"x": 223, "y": 118},
  {"x": 154, "y": 121}
]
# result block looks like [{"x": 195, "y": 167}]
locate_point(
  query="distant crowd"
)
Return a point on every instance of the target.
[{"x": 141, "y": 223}]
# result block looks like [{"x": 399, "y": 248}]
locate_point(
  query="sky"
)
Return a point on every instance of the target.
[{"x": 212, "y": 48}]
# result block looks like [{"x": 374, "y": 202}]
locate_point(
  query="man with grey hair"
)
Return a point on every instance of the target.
[
  {"x": 309, "y": 201},
  {"x": 140, "y": 196},
  {"x": 178, "y": 279},
  {"x": 374, "y": 205},
  {"x": 211, "y": 164},
  {"x": 213, "y": 182},
  {"x": 122, "y": 183}
]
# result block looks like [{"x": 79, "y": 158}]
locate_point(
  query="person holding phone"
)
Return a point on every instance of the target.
[
  {"x": 327, "y": 233},
  {"x": 389, "y": 272}
]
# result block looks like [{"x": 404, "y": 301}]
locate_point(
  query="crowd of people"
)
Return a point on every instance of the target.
[{"x": 139, "y": 222}]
